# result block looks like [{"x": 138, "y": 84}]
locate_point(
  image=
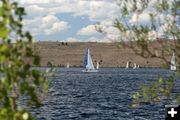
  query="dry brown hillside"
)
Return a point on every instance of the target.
[{"x": 110, "y": 54}]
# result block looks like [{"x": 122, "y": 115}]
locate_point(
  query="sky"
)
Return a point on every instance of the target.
[
  {"x": 72, "y": 20},
  {"x": 68, "y": 20}
]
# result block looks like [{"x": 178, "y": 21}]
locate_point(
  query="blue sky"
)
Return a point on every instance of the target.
[
  {"x": 68, "y": 20},
  {"x": 74, "y": 20},
  {"x": 76, "y": 23}
]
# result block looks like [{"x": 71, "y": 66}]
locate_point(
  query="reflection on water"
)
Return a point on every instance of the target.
[{"x": 99, "y": 96}]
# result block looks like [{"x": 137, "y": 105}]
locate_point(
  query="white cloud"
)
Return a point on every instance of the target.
[
  {"x": 112, "y": 30},
  {"x": 35, "y": 10},
  {"x": 44, "y": 12},
  {"x": 110, "y": 33},
  {"x": 89, "y": 30},
  {"x": 34, "y": 1},
  {"x": 102, "y": 40},
  {"x": 100, "y": 10},
  {"x": 42, "y": 16},
  {"x": 142, "y": 19},
  {"x": 72, "y": 40},
  {"x": 46, "y": 25},
  {"x": 90, "y": 39},
  {"x": 96, "y": 10}
]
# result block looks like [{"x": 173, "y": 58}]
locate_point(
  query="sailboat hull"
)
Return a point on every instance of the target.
[
  {"x": 90, "y": 71},
  {"x": 173, "y": 68}
]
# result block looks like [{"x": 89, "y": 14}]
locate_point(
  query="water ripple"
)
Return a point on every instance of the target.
[{"x": 106, "y": 95}]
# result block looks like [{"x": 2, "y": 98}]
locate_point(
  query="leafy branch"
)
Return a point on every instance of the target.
[{"x": 18, "y": 78}]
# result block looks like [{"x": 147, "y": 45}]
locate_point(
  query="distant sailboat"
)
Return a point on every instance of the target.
[
  {"x": 135, "y": 66},
  {"x": 138, "y": 66},
  {"x": 173, "y": 62},
  {"x": 67, "y": 66},
  {"x": 97, "y": 65},
  {"x": 88, "y": 63},
  {"x": 127, "y": 64}
]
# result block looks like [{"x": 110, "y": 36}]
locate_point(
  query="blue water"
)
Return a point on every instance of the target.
[{"x": 106, "y": 95}]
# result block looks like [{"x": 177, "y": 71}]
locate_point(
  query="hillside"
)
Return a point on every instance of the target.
[{"x": 110, "y": 54}]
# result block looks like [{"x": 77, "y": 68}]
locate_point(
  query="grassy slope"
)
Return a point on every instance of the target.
[{"x": 110, "y": 53}]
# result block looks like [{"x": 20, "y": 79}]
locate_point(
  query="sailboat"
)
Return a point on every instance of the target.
[
  {"x": 97, "y": 65},
  {"x": 88, "y": 63},
  {"x": 127, "y": 64},
  {"x": 135, "y": 66},
  {"x": 173, "y": 62},
  {"x": 67, "y": 66},
  {"x": 138, "y": 66}
]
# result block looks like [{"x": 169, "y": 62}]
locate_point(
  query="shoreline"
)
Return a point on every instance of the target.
[{"x": 101, "y": 67}]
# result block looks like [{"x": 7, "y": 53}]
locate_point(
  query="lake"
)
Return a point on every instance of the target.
[{"x": 106, "y": 95}]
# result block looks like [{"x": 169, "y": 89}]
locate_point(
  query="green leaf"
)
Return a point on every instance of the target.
[
  {"x": 36, "y": 60},
  {"x": 3, "y": 32},
  {"x": 3, "y": 58},
  {"x": 35, "y": 74}
]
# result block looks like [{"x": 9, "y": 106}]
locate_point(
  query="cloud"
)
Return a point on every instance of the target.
[
  {"x": 47, "y": 25},
  {"x": 44, "y": 13},
  {"x": 144, "y": 18},
  {"x": 42, "y": 16},
  {"x": 98, "y": 10},
  {"x": 95, "y": 10},
  {"x": 111, "y": 33},
  {"x": 88, "y": 30},
  {"x": 71, "y": 39},
  {"x": 90, "y": 39},
  {"x": 141, "y": 19},
  {"x": 35, "y": 10},
  {"x": 34, "y": 1},
  {"x": 102, "y": 40}
]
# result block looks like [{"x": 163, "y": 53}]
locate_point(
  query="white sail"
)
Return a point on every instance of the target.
[
  {"x": 135, "y": 66},
  {"x": 127, "y": 64},
  {"x": 173, "y": 62},
  {"x": 88, "y": 63},
  {"x": 97, "y": 65},
  {"x": 67, "y": 66}
]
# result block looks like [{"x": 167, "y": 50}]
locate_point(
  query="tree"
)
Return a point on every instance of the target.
[
  {"x": 162, "y": 28},
  {"x": 19, "y": 82}
]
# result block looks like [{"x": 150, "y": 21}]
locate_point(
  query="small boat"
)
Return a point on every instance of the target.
[
  {"x": 127, "y": 64},
  {"x": 138, "y": 66},
  {"x": 67, "y": 66},
  {"x": 135, "y": 66},
  {"x": 173, "y": 63},
  {"x": 97, "y": 66},
  {"x": 88, "y": 63}
]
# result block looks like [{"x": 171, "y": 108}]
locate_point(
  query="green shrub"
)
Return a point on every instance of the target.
[{"x": 18, "y": 79}]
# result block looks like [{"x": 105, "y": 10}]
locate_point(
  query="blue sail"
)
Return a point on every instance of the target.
[{"x": 86, "y": 57}]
